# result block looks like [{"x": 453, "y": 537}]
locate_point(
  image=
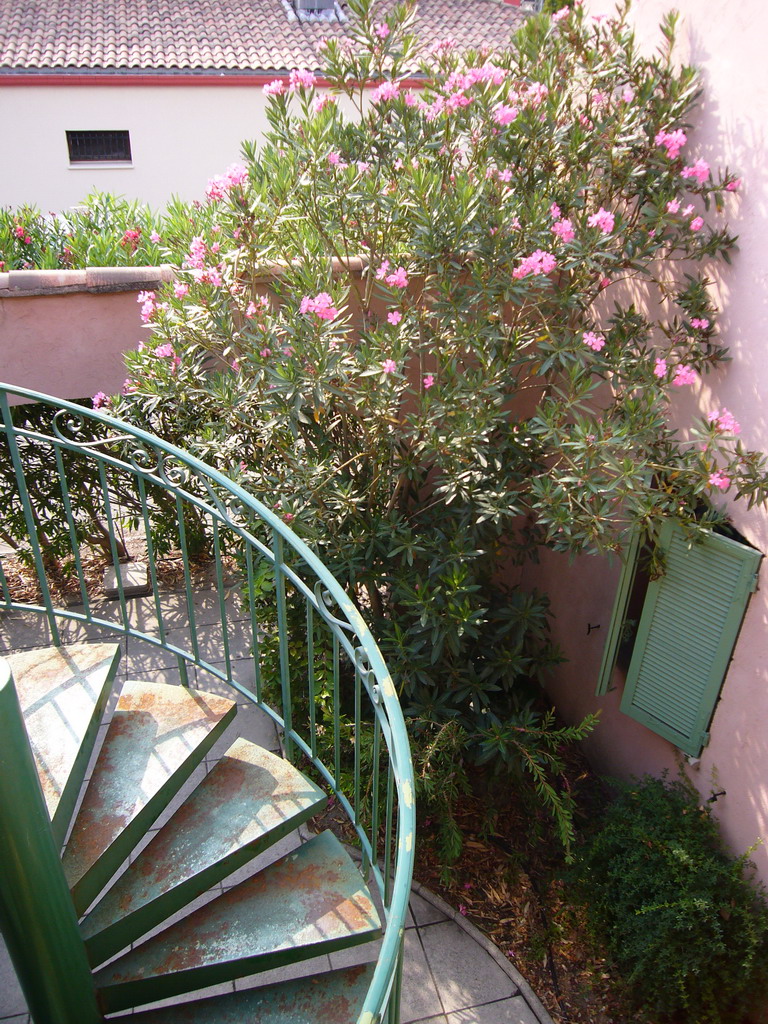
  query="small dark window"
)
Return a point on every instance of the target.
[{"x": 88, "y": 147}]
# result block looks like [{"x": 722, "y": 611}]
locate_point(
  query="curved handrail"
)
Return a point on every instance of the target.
[{"x": 114, "y": 447}]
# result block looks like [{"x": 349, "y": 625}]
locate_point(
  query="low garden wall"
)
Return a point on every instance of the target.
[{"x": 64, "y": 332}]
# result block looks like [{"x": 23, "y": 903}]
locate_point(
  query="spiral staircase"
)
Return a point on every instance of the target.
[{"x": 136, "y": 872}]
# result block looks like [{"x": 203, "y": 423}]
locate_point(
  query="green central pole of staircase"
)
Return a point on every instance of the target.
[{"x": 36, "y": 911}]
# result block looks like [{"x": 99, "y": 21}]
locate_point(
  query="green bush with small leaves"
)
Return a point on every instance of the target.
[{"x": 680, "y": 916}]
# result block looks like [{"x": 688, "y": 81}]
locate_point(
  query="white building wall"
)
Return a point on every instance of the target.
[{"x": 181, "y": 135}]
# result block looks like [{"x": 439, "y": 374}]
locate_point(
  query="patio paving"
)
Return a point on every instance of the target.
[{"x": 453, "y": 974}]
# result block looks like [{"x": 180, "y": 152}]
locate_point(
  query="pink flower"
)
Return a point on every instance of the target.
[
  {"x": 130, "y": 239},
  {"x": 154, "y": 237},
  {"x": 733, "y": 185},
  {"x": 322, "y": 306},
  {"x": 389, "y": 366},
  {"x": 165, "y": 351},
  {"x": 719, "y": 480},
  {"x": 539, "y": 262},
  {"x": 724, "y": 422},
  {"x": 504, "y": 114},
  {"x": 99, "y": 399},
  {"x": 554, "y": 212},
  {"x": 320, "y": 102},
  {"x": 505, "y": 175},
  {"x": 603, "y": 219},
  {"x": 660, "y": 368},
  {"x": 275, "y": 88},
  {"x": 235, "y": 365},
  {"x": 397, "y": 279},
  {"x": 428, "y": 381},
  {"x": 235, "y": 174},
  {"x": 147, "y": 299},
  {"x": 334, "y": 158},
  {"x": 300, "y": 78},
  {"x": 251, "y": 309},
  {"x": 628, "y": 94},
  {"x": 129, "y": 386},
  {"x": 562, "y": 13},
  {"x": 180, "y": 290},
  {"x": 395, "y": 317},
  {"x": 382, "y": 30},
  {"x": 699, "y": 171},
  {"x": 386, "y": 91},
  {"x": 564, "y": 230},
  {"x": 265, "y": 353},
  {"x": 696, "y": 224},
  {"x": 594, "y": 341},
  {"x": 673, "y": 206},
  {"x": 197, "y": 252},
  {"x": 535, "y": 93},
  {"x": 699, "y": 323},
  {"x": 599, "y": 98},
  {"x": 688, "y": 210},
  {"x": 363, "y": 166},
  {"x": 383, "y": 270},
  {"x": 673, "y": 142},
  {"x": 684, "y": 375},
  {"x": 462, "y": 910}
]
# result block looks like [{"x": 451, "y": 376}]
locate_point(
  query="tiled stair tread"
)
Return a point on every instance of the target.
[
  {"x": 63, "y": 692},
  {"x": 312, "y": 901},
  {"x": 333, "y": 998},
  {"x": 157, "y": 736},
  {"x": 247, "y": 802}
]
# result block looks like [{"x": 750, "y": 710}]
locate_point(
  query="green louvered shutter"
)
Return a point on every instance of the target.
[
  {"x": 690, "y": 621},
  {"x": 619, "y": 613}
]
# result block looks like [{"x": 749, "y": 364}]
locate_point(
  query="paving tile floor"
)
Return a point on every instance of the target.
[{"x": 453, "y": 974}]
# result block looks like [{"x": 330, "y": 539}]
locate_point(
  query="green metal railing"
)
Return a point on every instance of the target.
[{"x": 75, "y": 477}]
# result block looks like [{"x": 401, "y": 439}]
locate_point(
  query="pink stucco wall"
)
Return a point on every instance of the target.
[
  {"x": 64, "y": 332},
  {"x": 726, "y": 41}
]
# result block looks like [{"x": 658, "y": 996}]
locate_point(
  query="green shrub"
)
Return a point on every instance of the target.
[{"x": 682, "y": 921}]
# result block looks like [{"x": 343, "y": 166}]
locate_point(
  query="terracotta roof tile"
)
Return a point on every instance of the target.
[{"x": 207, "y": 35}]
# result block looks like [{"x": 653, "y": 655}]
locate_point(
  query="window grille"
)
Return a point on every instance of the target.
[{"x": 99, "y": 147}]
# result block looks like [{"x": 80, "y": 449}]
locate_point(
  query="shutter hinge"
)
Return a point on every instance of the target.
[
  {"x": 704, "y": 739},
  {"x": 753, "y": 583}
]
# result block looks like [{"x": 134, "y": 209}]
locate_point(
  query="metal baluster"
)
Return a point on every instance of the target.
[
  {"x": 26, "y": 504},
  {"x": 282, "y": 628},
  {"x": 113, "y": 546},
  {"x": 222, "y": 596},
  {"x": 71, "y": 528},
  {"x": 151, "y": 557},
  {"x": 188, "y": 590},
  {"x": 376, "y": 782},
  {"x": 254, "y": 621},
  {"x": 336, "y": 714},
  {"x": 358, "y": 745},
  {"x": 388, "y": 835},
  {"x": 311, "y": 678}
]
